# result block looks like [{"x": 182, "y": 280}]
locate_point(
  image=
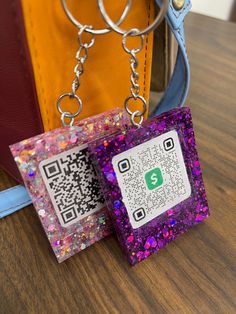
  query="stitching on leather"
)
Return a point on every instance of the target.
[
  {"x": 181, "y": 37},
  {"x": 146, "y": 52},
  {"x": 184, "y": 89},
  {"x": 186, "y": 73},
  {"x": 35, "y": 54}
]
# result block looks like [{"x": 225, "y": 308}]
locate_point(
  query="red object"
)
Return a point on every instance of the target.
[{"x": 19, "y": 111}]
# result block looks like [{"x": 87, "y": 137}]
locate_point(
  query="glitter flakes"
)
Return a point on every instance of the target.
[
  {"x": 139, "y": 243},
  {"x": 150, "y": 243},
  {"x": 105, "y": 143},
  {"x": 172, "y": 223},
  {"x": 102, "y": 220},
  {"x": 51, "y": 228},
  {"x": 57, "y": 243},
  {"x": 31, "y": 173},
  {"x": 83, "y": 246},
  {"x": 42, "y": 213},
  {"x": 130, "y": 238},
  {"x": 29, "y": 153},
  {"x": 117, "y": 204}
]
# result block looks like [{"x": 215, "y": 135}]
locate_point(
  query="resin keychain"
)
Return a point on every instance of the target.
[
  {"x": 150, "y": 173},
  {"x": 57, "y": 170}
]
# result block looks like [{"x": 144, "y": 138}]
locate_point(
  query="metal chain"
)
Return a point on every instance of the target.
[
  {"x": 81, "y": 57},
  {"x": 134, "y": 79}
]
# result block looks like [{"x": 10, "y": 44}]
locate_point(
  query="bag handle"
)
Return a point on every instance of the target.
[
  {"x": 175, "y": 95},
  {"x": 13, "y": 199},
  {"x": 178, "y": 86}
]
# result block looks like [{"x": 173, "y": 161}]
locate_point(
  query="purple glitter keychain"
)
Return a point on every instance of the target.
[
  {"x": 152, "y": 182},
  {"x": 151, "y": 176}
]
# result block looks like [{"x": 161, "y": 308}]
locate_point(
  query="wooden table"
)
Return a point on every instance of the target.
[{"x": 196, "y": 273}]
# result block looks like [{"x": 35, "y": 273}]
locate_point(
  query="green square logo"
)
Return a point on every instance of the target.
[{"x": 154, "y": 178}]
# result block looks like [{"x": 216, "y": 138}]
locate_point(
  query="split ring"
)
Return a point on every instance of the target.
[
  {"x": 150, "y": 28},
  {"x": 138, "y": 113},
  {"x": 71, "y": 96},
  {"x": 94, "y": 31}
]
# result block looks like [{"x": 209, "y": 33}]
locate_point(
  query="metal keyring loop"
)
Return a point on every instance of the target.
[
  {"x": 137, "y": 114},
  {"x": 71, "y": 96},
  {"x": 132, "y": 32},
  {"x": 84, "y": 28},
  {"x": 95, "y": 31},
  {"x": 67, "y": 114},
  {"x": 138, "y": 97},
  {"x": 122, "y": 31}
]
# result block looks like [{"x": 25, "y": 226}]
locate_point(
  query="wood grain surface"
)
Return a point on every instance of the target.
[{"x": 196, "y": 273}]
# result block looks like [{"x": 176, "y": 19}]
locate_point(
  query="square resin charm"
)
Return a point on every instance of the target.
[
  {"x": 152, "y": 182},
  {"x": 57, "y": 171}
]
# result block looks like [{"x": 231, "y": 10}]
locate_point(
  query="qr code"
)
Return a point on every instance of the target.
[
  {"x": 152, "y": 177},
  {"x": 72, "y": 185}
]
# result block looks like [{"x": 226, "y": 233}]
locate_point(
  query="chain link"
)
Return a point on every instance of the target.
[
  {"x": 134, "y": 79},
  {"x": 81, "y": 57}
]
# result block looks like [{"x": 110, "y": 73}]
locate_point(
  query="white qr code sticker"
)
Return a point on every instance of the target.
[
  {"x": 72, "y": 185},
  {"x": 152, "y": 177}
]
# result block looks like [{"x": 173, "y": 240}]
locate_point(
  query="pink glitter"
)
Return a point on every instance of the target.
[{"x": 29, "y": 153}]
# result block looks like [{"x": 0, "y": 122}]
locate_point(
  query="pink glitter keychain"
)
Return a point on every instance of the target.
[
  {"x": 58, "y": 173},
  {"x": 150, "y": 174}
]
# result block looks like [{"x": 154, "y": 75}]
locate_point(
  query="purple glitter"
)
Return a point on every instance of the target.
[{"x": 139, "y": 243}]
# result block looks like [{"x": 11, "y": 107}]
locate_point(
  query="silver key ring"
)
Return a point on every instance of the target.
[
  {"x": 95, "y": 31},
  {"x": 70, "y": 96},
  {"x": 122, "y": 31}
]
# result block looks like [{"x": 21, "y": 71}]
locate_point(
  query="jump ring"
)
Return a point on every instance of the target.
[
  {"x": 94, "y": 31},
  {"x": 82, "y": 44},
  {"x": 139, "y": 97},
  {"x": 136, "y": 114},
  {"x": 67, "y": 115},
  {"x": 131, "y": 32},
  {"x": 71, "y": 96},
  {"x": 151, "y": 27}
]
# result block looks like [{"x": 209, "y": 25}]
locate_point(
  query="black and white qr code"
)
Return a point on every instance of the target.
[
  {"x": 152, "y": 177},
  {"x": 72, "y": 185}
]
